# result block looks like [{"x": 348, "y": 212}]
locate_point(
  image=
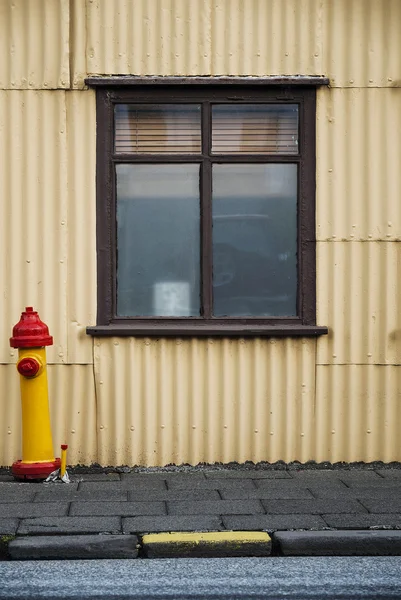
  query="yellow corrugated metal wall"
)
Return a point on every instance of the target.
[{"x": 156, "y": 401}]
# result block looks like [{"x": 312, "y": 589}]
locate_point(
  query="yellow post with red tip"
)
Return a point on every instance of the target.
[{"x": 31, "y": 336}]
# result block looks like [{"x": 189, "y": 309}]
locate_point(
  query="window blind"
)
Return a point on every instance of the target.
[
  {"x": 255, "y": 129},
  {"x": 158, "y": 129}
]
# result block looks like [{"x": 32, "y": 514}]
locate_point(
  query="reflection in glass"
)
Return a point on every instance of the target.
[
  {"x": 158, "y": 129},
  {"x": 255, "y": 129},
  {"x": 255, "y": 240},
  {"x": 158, "y": 240}
]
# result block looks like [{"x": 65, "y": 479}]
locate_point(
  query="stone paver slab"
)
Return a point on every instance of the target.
[
  {"x": 289, "y": 493},
  {"x": 70, "y": 495},
  {"x": 8, "y": 496},
  {"x": 363, "y": 521},
  {"x": 69, "y": 525},
  {"x": 127, "y": 484},
  {"x": 171, "y": 523},
  {"x": 235, "y": 507},
  {"x": 389, "y": 473},
  {"x": 95, "y": 477},
  {"x": 39, "y": 509},
  {"x": 313, "y": 507},
  {"x": 8, "y": 526},
  {"x": 242, "y": 474},
  {"x": 163, "y": 475},
  {"x": 122, "y": 509},
  {"x": 211, "y": 484},
  {"x": 143, "y": 496},
  {"x": 273, "y": 522},
  {"x": 382, "y": 505}
]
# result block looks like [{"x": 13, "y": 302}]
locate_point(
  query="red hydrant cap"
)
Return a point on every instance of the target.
[
  {"x": 28, "y": 367},
  {"x": 30, "y": 332}
]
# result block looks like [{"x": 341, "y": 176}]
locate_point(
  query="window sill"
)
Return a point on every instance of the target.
[{"x": 208, "y": 330}]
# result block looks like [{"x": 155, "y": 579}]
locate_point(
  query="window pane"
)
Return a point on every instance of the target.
[
  {"x": 255, "y": 129},
  {"x": 254, "y": 240},
  {"x": 158, "y": 129},
  {"x": 158, "y": 240}
]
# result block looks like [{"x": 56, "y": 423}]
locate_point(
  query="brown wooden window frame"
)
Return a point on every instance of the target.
[{"x": 107, "y": 96}]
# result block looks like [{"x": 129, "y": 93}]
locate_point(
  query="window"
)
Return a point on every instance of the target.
[{"x": 206, "y": 210}]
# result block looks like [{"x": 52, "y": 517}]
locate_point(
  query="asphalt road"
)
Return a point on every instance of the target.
[{"x": 275, "y": 578}]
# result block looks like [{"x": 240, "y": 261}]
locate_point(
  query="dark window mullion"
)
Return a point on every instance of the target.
[{"x": 206, "y": 216}]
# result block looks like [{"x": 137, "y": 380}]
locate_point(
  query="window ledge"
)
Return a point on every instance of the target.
[
  {"x": 279, "y": 80},
  {"x": 218, "y": 330}
]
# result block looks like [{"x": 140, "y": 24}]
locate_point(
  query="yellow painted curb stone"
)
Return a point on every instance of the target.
[{"x": 207, "y": 544}]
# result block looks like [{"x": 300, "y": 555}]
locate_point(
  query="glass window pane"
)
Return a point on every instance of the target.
[
  {"x": 255, "y": 240},
  {"x": 158, "y": 129},
  {"x": 255, "y": 129},
  {"x": 158, "y": 240}
]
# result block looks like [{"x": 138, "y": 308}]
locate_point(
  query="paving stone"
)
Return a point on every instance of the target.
[
  {"x": 127, "y": 484},
  {"x": 211, "y": 484},
  {"x": 334, "y": 485},
  {"x": 7, "y": 496},
  {"x": 363, "y": 521},
  {"x": 359, "y": 492},
  {"x": 313, "y": 507},
  {"x": 70, "y": 495},
  {"x": 57, "y": 488},
  {"x": 39, "y": 509},
  {"x": 143, "y": 496},
  {"x": 95, "y": 477},
  {"x": 350, "y": 477},
  {"x": 163, "y": 475},
  {"x": 79, "y": 547},
  {"x": 389, "y": 473},
  {"x": 122, "y": 509},
  {"x": 265, "y": 493},
  {"x": 67, "y": 525},
  {"x": 6, "y": 478},
  {"x": 228, "y": 474},
  {"x": 18, "y": 487},
  {"x": 339, "y": 543},
  {"x": 389, "y": 483},
  {"x": 234, "y": 507},
  {"x": 273, "y": 522},
  {"x": 382, "y": 505},
  {"x": 171, "y": 523},
  {"x": 8, "y": 526}
]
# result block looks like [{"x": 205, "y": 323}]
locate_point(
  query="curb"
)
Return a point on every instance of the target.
[
  {"x": 212, "y": 545},
  {"x": 73, "y": 547},
  {"x": 339, "y": 543},
  {"x": 203, "y": 545}
]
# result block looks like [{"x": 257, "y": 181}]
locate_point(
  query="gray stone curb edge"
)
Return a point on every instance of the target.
[{"x": 284, "y": 543}]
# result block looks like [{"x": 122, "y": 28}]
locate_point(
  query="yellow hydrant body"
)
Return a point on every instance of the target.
[{"x": 31, "y": 336}]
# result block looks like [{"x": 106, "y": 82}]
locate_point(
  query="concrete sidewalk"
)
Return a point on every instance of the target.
[{"x": 203, "y": 499}]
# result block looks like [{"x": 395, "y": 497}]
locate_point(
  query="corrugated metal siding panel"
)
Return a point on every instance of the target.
[
  {"x": 72, "y": 410},
  {"x": 265, "y": 37},
  {"x": 204, "y": 37},
  {"x": 34, "y": 44},
  {"x": 33, "y": 213},
  {"x": 78, "y": 38},
  {"x": 358, "y": 164},
  {"x": 358, "y": 413},
  {"x": 362, "y": 42},
  {"x": 81, "y": 287},
  {"x": 358, "y": 291},
  {"x": 142, "y": 37},
  {"x": 192, "y": 400}
]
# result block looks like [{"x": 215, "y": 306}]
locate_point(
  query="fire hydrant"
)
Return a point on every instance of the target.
[{"x": 31, "y": 336}]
